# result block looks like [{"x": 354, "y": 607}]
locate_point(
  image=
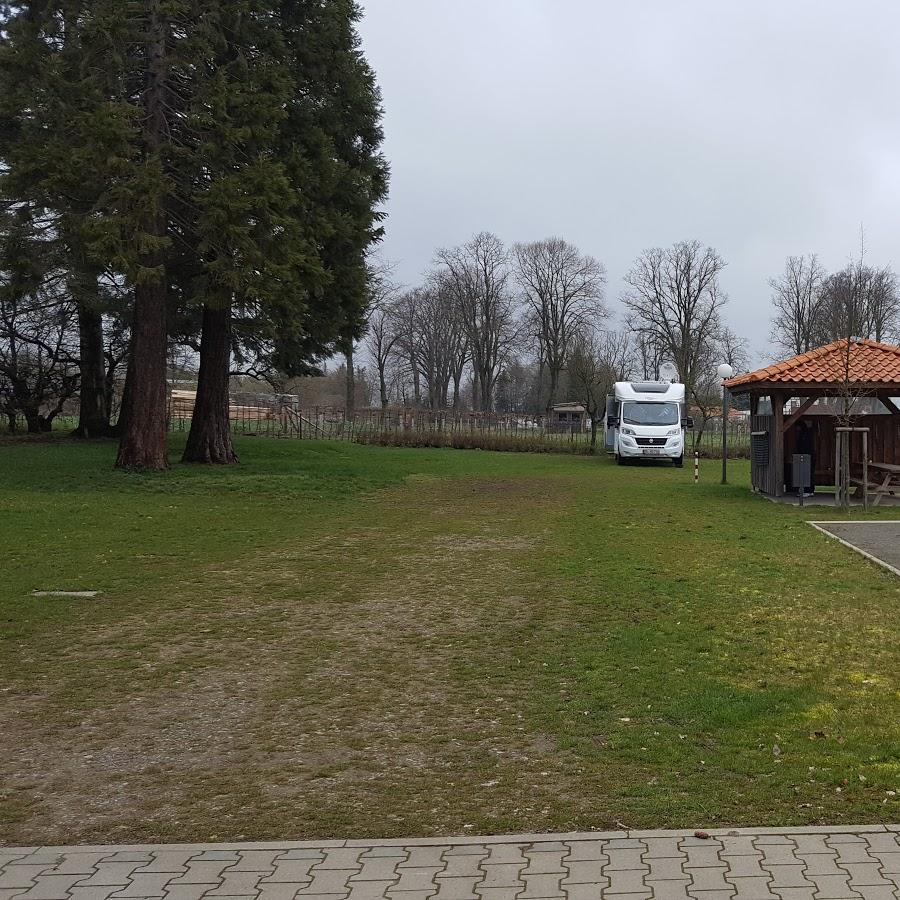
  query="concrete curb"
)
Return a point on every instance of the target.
[{"x": 461, "y": 840}]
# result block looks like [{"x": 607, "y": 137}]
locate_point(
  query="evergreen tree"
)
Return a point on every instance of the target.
[
  {"x": 341, "y": 175},
  {"x": 246, "y": 246},
  {"x": 60, "y": 130},
  {"x": 215, "y": 155},
  {"x": 315, "y": 198}
]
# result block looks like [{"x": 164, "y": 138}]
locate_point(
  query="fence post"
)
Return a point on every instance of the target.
[{"x": 696, "y": 466}]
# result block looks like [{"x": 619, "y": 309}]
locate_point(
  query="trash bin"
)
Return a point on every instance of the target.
[{"x": 801, "y": 473}]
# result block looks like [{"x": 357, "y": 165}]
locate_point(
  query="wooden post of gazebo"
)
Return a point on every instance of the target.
[{"x": 843, "y": 479}]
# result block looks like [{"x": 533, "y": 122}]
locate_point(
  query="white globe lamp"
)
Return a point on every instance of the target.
[{"x": 725, "y": 372}]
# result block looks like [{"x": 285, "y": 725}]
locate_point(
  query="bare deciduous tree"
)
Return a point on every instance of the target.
[
  {"x": 38, "y": 356},
  {"x": 732, "y": 349},
  {"x": 858, "y": 301},
  {"x": 884, "y": 305},
  {"x": 649, "y": 353},
  {"x": 404, "y": 322},
  {"x": 438, "y": 332},
  {"x": 382, "y": 339},
  {"x": 795, "y": 296},
  {"x": 564, "y": 290},
  {"x": 477, "y": 275},
  {"x": 675, "y": 300},
  {"x": 725, "y": 347},
  {"x": 596, "y": 362}
]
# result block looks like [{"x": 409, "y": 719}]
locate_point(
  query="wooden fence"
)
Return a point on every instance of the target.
[{"x": 282, "y": 416}]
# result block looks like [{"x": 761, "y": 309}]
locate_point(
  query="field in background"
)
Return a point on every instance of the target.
[{"x": 344, "y": 640}]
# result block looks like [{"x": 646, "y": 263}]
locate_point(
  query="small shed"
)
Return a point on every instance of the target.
[
  {"x": 795, "y": 404},
  {"x": 569, "y": 417}
]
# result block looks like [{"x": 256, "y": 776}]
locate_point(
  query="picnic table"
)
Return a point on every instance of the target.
[{"x": 888, "y": 484}]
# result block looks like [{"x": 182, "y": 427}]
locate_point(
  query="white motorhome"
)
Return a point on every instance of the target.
[{"x": 646, "y": 420}]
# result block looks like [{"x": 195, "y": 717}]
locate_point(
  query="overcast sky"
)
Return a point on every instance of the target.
[{"x": 763, "y": 129}]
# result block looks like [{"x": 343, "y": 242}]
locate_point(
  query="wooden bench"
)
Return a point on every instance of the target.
[
  {"x": 889, "y": 483},
  {"x": 878, "y": 489}
]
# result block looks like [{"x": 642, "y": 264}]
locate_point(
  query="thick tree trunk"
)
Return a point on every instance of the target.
[
  {"x": 487, "y": 400},
  {"x": 209, "y": 440},
  {"x": 36, "y": 422},
  {"x": 32, "y": 420},
  {"x": 143, "y": 441},
  {"x": 143, "y": 433},
  {"x": 93, "y": 416}
]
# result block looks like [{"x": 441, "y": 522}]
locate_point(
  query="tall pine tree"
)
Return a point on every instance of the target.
[
  {"x": 63, "y": 135},
  {"x": 307, "y": 253},
  {"x": 216, "y": 154}
]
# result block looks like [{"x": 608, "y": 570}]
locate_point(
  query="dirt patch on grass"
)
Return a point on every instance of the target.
[{"x": 360, "y": 682}]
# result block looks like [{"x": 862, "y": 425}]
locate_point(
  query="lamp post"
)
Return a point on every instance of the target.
[{"x": 724, "y": 372}]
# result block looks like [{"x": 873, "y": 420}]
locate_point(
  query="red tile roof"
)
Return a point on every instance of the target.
[{"x": 870, "y": 363}]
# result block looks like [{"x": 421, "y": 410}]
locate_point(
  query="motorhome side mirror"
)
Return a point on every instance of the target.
[
  {"x": 689, "y": 423},
  {"x": 612, "y": 422}
]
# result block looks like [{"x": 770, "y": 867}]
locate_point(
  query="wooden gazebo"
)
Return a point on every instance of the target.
[{"x": 797, "y": 402}]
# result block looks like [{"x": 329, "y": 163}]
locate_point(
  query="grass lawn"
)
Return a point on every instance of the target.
[{"x": 334, "y": 640}]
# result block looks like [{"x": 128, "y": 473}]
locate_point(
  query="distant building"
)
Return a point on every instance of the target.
[{"x": 569, "y": 417}]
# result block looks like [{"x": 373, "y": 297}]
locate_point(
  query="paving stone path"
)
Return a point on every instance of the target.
[{"x": 747, "y": 864}]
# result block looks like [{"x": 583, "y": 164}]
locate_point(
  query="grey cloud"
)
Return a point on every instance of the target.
[{"x": 763, "y": 129}]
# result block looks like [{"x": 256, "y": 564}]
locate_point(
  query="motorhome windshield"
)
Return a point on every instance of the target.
[{"x": 634, "y": 413}]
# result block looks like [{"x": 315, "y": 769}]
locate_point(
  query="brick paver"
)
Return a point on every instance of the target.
[{"x": 768, "y": 864}]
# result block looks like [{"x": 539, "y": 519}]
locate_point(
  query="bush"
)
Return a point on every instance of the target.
[{"x": 473, "y": 440}]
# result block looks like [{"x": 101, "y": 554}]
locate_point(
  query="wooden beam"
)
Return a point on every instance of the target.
[
  {"x": 778, "y": 441},
  {"x": 893, "y": 409},
  {"x": 798, "y": 414}
]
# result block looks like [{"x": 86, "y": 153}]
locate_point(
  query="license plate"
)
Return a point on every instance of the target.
[{"x": 652, "y": 451}]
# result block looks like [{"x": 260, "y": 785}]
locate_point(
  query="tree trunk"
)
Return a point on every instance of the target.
[
  {"x": 540, "y": 382},
  {"x": 382, "y": 387},
  {"x": 125, "y": 401},
  {"x": 350, "y": 382},
  {"x": 593, "y": 434},
  {"x": 143, "y": 435},
  {"x": 32, "y": 420},
  {"x": 417, "y": 382},
  {"x": 551, "y": 393},
  {"x": 209, "y": 440},
  {"x": 486, "y": 393},
  {"x": 110, "y": 388},
  {"x": 93, "y": 415},
  {"x": 143, "y": 441},
  {"x": 37, "y": 422}
]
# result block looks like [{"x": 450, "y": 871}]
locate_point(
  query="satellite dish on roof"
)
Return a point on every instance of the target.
[{"x": 668, "y": 372}]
